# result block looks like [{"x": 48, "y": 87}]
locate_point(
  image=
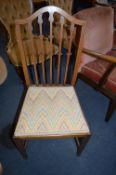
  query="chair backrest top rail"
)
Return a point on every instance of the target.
[{"x": 50, "y": 9}]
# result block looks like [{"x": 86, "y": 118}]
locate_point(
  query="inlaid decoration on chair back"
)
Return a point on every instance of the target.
[{"x": 53, "y": 75}]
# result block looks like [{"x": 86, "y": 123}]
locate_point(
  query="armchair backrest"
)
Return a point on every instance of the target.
[
  {"x": 99, "y": 30},
  {"x": 12, "y": 10}
]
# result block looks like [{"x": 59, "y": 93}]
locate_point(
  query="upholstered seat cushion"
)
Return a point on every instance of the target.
[
  {"x": 51, "y": 111},
  {"x": 95, "y": 70},
  {"x": 111, "y": 81},
  {"x": 13, "y": 50}
]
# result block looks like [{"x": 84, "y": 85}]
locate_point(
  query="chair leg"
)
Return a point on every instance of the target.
[
  {"x": 21, "y": 146},
  {"x": 81, "y": 143},
  {"x": 111, "y": 109},
  {"x": 19, "y": 71}
]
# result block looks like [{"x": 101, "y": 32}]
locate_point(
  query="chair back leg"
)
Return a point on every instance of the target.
[{"x": 111, "y": 109}]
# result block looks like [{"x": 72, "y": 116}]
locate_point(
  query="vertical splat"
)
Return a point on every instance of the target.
[
  {"x": 69, "y": 51},
  {"x": 40, "y": 21},
  {"x": 22, "y": 55},
  {"x": 60, "y": 46},
  {"x": 51, "y": 19},
  {"x": 34, "y": 60},
  {"x": 78, "y": 55}
]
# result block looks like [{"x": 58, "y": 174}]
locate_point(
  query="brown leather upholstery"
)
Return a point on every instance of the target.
[{"x": 9, "y": 12}]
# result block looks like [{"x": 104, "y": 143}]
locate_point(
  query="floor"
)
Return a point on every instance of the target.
[{"x": 47, "y": 157}]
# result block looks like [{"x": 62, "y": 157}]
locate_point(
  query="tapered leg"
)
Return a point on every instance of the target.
[
  {"x": 81, "y": 143},
  {"x": 19, "y": 70},
  {"x": 21, "y": 146},
  {"x": 111, "y": 109}
]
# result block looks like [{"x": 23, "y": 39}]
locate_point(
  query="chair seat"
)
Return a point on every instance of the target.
[
  {"x": 51, "y": 111},
  {"x": 111, "y": 82}
]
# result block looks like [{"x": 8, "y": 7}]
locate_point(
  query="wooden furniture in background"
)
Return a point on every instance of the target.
[
  {"x": 3, "y": 71},
  {"x": 9, "y": 12},
  {"x": 99, "y": 70},
  {"x": 51, "y": 108},
  {"x": 1, "y": 169}
]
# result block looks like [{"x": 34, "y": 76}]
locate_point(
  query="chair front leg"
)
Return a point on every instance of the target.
[
  {"x": 81, "y": 143},
  {"x": 21, "y": 146}
]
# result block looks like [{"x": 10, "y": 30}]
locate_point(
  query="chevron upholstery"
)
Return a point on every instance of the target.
[{"x": 51, "y": 111}]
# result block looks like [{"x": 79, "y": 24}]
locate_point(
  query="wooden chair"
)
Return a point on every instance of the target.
[
  {"x": 66, "y": 5},
  {"x": 98, "y": 61},
  {"x": 51, "y": 108}
]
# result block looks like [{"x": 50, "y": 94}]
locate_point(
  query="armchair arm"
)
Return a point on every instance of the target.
[
  {"x": 100, "y": 55},
  {"x": 104, "y": 57}
]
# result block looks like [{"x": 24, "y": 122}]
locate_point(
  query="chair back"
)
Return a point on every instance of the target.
[
  {"x": 65, "y": 5},
  {"x": 65, "y": 20},
  {"x": 99, "y": 30}
]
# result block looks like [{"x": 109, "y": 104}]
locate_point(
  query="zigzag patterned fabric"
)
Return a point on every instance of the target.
[{"x": 50, "y": 111}]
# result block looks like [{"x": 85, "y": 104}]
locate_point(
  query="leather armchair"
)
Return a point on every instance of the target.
[{"x": 9, "y": 12}]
